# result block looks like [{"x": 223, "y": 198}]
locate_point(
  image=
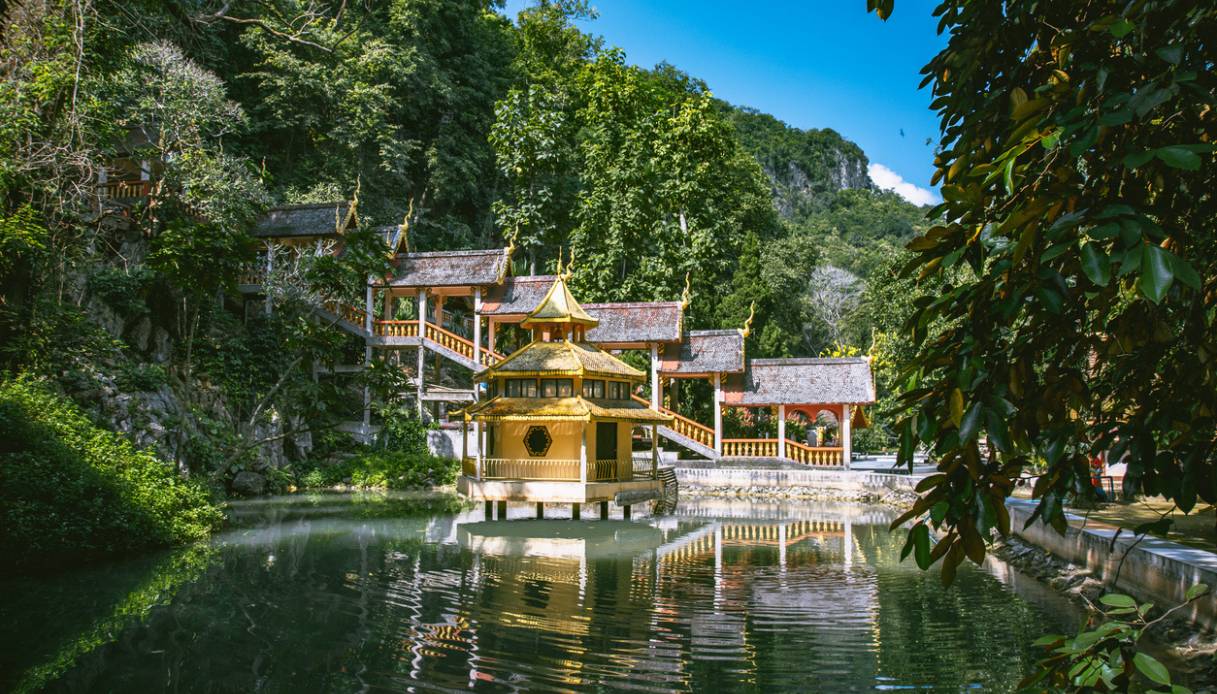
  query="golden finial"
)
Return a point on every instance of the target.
[
  {"x": 570, "y": 264},
  {"x": 404, "y": 240},
  {"x": 748, "y": 323},
  {"x": 558, "y": 271},
  {"x": 340, "y": 224},
  {"x": 686, "y": 295},
  {"x": 511, "y": 249}
]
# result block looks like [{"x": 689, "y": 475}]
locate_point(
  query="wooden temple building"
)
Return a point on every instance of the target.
[{"x": 450, "y": 318}]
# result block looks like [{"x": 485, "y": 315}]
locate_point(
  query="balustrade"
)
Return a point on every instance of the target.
[
  {"x": 768, "y": 448},
  {"x": 559, "y": 470},
  {"x": 124, "y": 190},
  {"x": 395, "y": 328}
]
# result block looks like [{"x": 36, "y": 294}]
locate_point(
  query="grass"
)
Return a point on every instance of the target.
[{"x": 1195, "y": 529}]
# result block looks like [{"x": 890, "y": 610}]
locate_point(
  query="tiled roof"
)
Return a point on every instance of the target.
[
  {"x": 562, "y": 358},
  {"x": 516, "y": 295},
  {"x": 824, "y": 381},
  {"x": 318, "y": 219},
  {"x": 450, "y": 268},
  {"x": 563, "y": 408},
  {"x": 636, "y": 323},
  {"x": 705, "y": 351}
]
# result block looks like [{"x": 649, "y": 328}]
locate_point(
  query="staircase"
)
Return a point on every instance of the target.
[
  {"x": 392, "y": 333},
  {"x": 696, "y": 437},
  {"x": 666, "y": 503}
]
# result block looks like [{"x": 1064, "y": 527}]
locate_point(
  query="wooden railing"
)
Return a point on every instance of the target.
[
  {"x": 601, "y": 470},
  {"x": 450, "y": 340},
  {"x": 530, "y": 469},
  {"x": 750, "y": 448},
  {"x": 811, "y": 455},
  {"x": 683, "y": 425},
  {"x": 253, "y": 274},
  {"x": 350, "y": 314},
  {"x": 395, "y": 328},
  {"x": 123, "y": 190}
]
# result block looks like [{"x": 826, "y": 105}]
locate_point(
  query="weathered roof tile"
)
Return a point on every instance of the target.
[
  {"x": 705, "y": 352},
  {"x": 316, "y": 219},
  {"x": 635, "y": 323},
  {"x": 820, "y": 381},
  {"x": 450, "y": 268},
  {"x": 516, "y": 295}
]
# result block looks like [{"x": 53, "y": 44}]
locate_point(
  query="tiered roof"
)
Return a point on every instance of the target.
[
  {"x": 705, "y": 352},
  {"x": 563, "y": 359},
  {"x": 820, "y": 381},
  {"x": 558, "y": 308},
  {"x": 573, "y": 408},
  {"x": 314, "y": 219}
]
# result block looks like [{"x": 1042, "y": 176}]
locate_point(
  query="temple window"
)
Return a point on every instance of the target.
[
  {"x": 557, "y": 388},
  {"x": 521, "y": 388},
  {"x": 618, "y": 390},
  {"x": 593, "y": 389}
]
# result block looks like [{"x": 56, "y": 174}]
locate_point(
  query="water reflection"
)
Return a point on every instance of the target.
[{"x": 392, "y": 592}]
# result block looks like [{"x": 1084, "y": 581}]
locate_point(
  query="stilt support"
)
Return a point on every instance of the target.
[
  {"x": 625, "y": 511},
  {"x": 603, "y": 510},
  {"x": 574, "y": 511},
  {"x": 502, "y": 510},
  {"x": 540, "y": 510},
  {"x": 489, "y": 509}
]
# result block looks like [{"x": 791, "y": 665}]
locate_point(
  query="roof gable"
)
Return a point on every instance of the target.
[
  {"x": 820, "y": 381},
  {"x": 314, "y": 219},
  {"x": 450, "y": 268},
  {"x": 636, "y": 323},
  {"x": 705, "y": 352}
]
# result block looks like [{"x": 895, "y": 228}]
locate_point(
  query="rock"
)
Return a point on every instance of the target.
[
  {"x": 1090, "y": 589},
  {"x": 248, "y": 483}
]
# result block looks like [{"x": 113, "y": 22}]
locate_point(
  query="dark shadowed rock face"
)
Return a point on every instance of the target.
[{"x": 248, "y": 483}]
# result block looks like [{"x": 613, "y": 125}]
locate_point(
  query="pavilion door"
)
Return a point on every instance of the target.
[{"x": 606, "y": 440}]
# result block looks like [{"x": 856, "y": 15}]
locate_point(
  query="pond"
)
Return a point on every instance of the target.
[{"x": 389, "y": 592}]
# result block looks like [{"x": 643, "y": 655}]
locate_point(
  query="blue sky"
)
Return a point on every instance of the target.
[{"x": 812, "y": 64}]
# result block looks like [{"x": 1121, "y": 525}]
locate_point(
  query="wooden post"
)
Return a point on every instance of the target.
[
  {"x": 388, "y": 309},
  {"x": 654, "y": 452},
  {"x": 604, "y": 513},
  {"x": 540, "y": 510},
  {"x": 574, "y": 511},
  {"x": 718, "y": 414},
  {"x": 656, "y": 395},
  {"x": 477, "y": 327},
  {"x": 847, "y": 446},
  {"x": 368, "y": 308},
  {"x": 625, "y": 512},
  {"x": 490, "y": 334},
  {"x": 489, "y": 505},
  {"x": 502, "y": 509},
  {"x": 782, "y": 431}
]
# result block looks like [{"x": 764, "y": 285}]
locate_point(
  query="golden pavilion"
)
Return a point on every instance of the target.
[{"x": 556, "y": 420}]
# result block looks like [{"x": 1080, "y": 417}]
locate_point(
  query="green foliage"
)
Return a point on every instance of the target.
[
  {"x": 1078, "y": 313},
  {"x": 123, "y": 290},
  {"x": 1105, "y": 655},
  {"x": 70, "y": 491}
]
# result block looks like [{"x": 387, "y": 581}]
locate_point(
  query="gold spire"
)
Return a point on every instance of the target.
[
  {"x": 558, "y": 306},
  {"x": 685, "y": 296},
  {"x": 747, "y": 330}
]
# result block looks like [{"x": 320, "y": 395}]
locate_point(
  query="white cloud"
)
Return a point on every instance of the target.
[{"x": 887, "y": 179}]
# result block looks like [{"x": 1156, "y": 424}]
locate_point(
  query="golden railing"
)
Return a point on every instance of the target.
[
  {"x": 530, "y": 469},
  {"x": 450, "y": 340},
  {"x": 601, "y": 470},
  {"x": 809, "y": 455},
  {"x": 395, "y": 328},
  {"x": 350, "y": 314},
  {"x": 750, "y": 448},
  {"x": 684, "y": 426}
]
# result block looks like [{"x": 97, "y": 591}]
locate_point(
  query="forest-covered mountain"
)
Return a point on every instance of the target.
[{"x": 474, "y": 128}]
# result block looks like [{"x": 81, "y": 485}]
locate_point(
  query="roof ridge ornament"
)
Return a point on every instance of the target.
[
  {"x": 747, "y": 329},
  {"x": 404, "y": 227},
  {"x": 340, "y": 223},
  {"x": 686, "y": 295},
  {"x": 570, "y": 263}
]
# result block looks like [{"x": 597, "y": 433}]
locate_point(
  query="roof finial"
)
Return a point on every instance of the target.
[
  {"x": 340, "y": 224},
  {"x": 405, "y": 226},
  {"x": 748, "y": 323},
  {"x": 570, "y": 264},
  {"x": 511, "y": 249},
  {"x": 686, "y": 295},
  {"x": 558, "y": 272}
]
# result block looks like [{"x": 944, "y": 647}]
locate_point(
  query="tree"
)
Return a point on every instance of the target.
[{"x": 1078, "y": 266}]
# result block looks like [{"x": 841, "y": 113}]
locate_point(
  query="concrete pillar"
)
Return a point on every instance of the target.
[
  {"x": 583, "y": 454},
  {"x": 422, "y": 313},
  {"x": 422, "y": 365},
  {"x": 477, "y": 325},
  {"x": 389, "y": 305},
  {"x": 656, "y": 395},
  {"x": 502, "y": 509},
  {"x": 270, "y": 267},
  {"x": 479, "y": 469},
  {"x": 367, "y": 393},
  {"x": 490, "y": 335},
  {"x": 847, "y": 444},
  {"x": 654, "y": 452},
  {"x": 604, "y": 512},
  {"x": 464, "y": 440},
  {"x": 782, "y": 432},
  {"x": 540, "y": 510},
  {"x": 489, "y": 509},
  {"x": 625, "y": 512},
  {"x": 718, "y": 414},
  {"x": 574, "y": 511},
  {"x": 367, "y": 308}
]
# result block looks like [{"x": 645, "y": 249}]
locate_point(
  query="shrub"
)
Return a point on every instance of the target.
[{"x": 71, "y": 491}]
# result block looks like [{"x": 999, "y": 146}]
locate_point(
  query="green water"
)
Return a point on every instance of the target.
[{"x": 354, "y": 593}]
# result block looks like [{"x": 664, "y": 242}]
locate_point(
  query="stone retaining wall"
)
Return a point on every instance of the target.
[
  {"x": 807, "y": 483},
  {"x": 1156, "y": 570}
]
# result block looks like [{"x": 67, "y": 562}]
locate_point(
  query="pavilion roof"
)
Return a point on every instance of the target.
[
  {"x": 450, "y": 268},
  {"x": 705, "y": 352},
  {"x": 822, "y": 381},
  {"x": 558, "y": 307},
  {"x": 502, "y": 408},
  {"x": 516, "y": 295},
  {"x": 314, "y": 219},
  {"x": 636, "y": 323},
  {"x": 562, "y": 359}
]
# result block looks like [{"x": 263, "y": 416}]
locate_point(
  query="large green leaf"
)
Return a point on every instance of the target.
[
  {"x": 1179, "y": 157},
  {"x": 1150, "y": 667},
  {"x": 1156, "y": 273},
  {"x": 1095, "y": 264}
]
